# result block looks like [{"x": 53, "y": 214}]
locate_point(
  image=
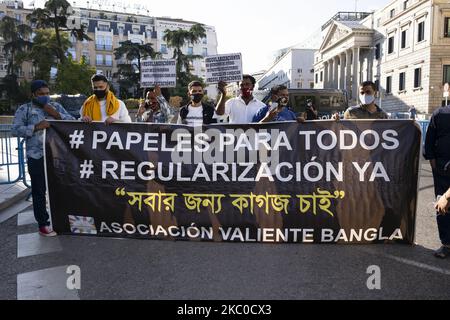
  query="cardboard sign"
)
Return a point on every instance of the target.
[
  {"x": 224, "y": 67},
  {"x": 158, "y": 72}
]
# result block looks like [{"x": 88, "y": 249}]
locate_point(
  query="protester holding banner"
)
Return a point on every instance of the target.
[
  {"x": 30, "y": 123},
  {"x": 103, "y": 105},
  {"x": 155, "y": 109},
  {"x": 196, "y": 113},
  {"x": 437, "y": 150},
  {"x": 367, "y": 109},
  {"x": 242, "y": 109},
  {"x": 277, "y": 108}
]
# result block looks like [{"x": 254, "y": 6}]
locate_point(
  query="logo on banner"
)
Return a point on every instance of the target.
[{"x": 82, "y": 225}]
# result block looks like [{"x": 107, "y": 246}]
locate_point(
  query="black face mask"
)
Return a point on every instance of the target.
[
  {"x": 197, "y": 97},
  {"x": 100, "y": 94}
]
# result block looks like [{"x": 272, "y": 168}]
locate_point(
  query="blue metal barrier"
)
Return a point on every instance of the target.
[
  {"x": 12, "y": 159},
  {"x": 424, "y": 126}
]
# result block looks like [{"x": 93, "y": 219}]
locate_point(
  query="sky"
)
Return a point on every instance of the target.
[{"x": 255, "y": 28}]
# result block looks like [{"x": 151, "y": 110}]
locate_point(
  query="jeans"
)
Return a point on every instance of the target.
[
  {"x": 38, "y": 190},
  {"x": 441, "y": 185}
]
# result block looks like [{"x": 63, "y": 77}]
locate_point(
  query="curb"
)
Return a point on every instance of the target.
[{"x": 16, "y": 198}]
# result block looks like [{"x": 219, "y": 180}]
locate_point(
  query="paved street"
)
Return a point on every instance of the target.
[{"x": 35, "y": 268}]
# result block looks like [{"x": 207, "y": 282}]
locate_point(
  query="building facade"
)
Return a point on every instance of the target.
[
  {"x": 294, "y": 70},
  {"x": 108, "y": 29},
  {"x": 402, "y": 47}
]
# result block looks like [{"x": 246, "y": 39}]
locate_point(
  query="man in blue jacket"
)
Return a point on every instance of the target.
[{"x": 30, "y": 121}]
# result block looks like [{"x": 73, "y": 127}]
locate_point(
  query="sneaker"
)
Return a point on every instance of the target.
[
  {"x": 443, "y": 252},
  {"x": 47, "y": 232}
]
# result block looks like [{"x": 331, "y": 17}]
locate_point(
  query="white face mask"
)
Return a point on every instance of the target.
[
  {"x": 366, "y": 99},
  {"x": 273, "y": 105}
]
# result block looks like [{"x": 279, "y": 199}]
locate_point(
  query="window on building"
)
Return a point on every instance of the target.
[
  {"x": 317, "y": 78},
  {"x": 120, "y": 29},
  {"x": 299, "y": 85},
  {"x": 389, "y": 84},
  {"x": 378, "y": 22},
  {"x": 391, "y": 45},
  {"x": 72, "y": 53},
  {"x": 378, "y": 51},
  {"x": 99, "y": 42},
  {"x": 108, "y": 43},
  {"x": 321, "y": 76},
  {"x": 18, "y": 17},
  {"x": 108, "y": 60},
  {"x": 404, "y": 38},
  {"x": 205, "y": 40},
  {"x": 99, "y": 59},
  {"x": 163, "y": 48},
  {"x": 103, "y": 27},
  {"x": 311, "y": 85},
  {"x": 190, "y": 51},
  {"x": 205, "y": 52},
  {"x": 421, "y": 31},
  {"x": 446, "y": 78},
  {"x": 417, "y": 77},
  {"x": 300, "y": 70},
  {"x": 392, "y": 13},
  {"x": 401, "y": 81},
  {"x": 447, "y": 27},
  {"x": 405, "y": 4}
]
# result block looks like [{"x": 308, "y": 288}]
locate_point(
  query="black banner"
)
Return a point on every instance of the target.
[{"x": 317, "y": 182}]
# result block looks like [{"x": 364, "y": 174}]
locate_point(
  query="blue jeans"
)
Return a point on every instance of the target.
[
  {"x": 441, "y": 185},
  {"x": 38, "y": 190}
]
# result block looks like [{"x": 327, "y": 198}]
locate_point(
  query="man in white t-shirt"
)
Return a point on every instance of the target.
[
  {"x": 103, "y": 105},
  {"x": 242, "y": 109},
  {"x": 196, "y": 113}
]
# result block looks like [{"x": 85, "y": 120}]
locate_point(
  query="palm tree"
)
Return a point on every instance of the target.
[
  {"x": 129, "y": 73},
  {"x": 54, "y": 16},
  {"x": 177, "y": 39},
  {"x": 15, "y": 36}
]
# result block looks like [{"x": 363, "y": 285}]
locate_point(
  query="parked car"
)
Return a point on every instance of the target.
[{"x": 72, "y": 103}]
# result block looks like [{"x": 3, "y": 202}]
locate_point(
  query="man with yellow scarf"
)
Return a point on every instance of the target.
[{"x": 103, "y": 105}]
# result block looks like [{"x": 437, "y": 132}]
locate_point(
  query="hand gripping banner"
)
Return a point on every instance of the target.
[{"x": 317, "y": 182}]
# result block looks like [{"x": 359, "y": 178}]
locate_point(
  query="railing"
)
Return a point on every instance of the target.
[
  {"x": 12, "y": 158},
  {"x": 424, "y": 126}
]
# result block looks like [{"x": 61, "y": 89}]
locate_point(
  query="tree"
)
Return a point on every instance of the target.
[
  {"x": 45, "y": 52},
  {"x": 74, "y": 77},
  {"x": 129, "y": 73},
  {"x": 177, "y": 39},
  {"x": 15, "y": 36},
  {"x": 54, "y": 16}
]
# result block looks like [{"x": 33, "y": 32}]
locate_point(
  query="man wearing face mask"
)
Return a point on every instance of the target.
[
  {"x": 103, "y": 105},
  {"x": 277, "y": 109},
  {"x": 155, "y": 109},
  {"x": 367, "y": 109},
  {"x": 30, "y": 121},
  {"x": 196, "y": 113},
  {"x": 242, "y": 109}
]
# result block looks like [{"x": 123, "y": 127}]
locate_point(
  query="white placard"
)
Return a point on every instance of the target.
[
  {"x": 158, "y": 72},
  {"x": 224, "y": 67}
]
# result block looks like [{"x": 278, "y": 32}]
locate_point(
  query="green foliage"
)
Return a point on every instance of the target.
[
  {"x": 45, "y": 51},
  {"x": 132, "y": 103},
  {"x": 129, "y": 73},
  {"x": 54, "y": 16},
  {"x": 15, "y": 41},
  {"x": 177, "y": 39},
  {"x": 74, "y": 77},
  {"x": 16, "y": 93}
]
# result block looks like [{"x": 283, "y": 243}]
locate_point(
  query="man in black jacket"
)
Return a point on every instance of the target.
[
  {"x": 437, "y": 150},
  {"x": 196, "y": 113}
]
